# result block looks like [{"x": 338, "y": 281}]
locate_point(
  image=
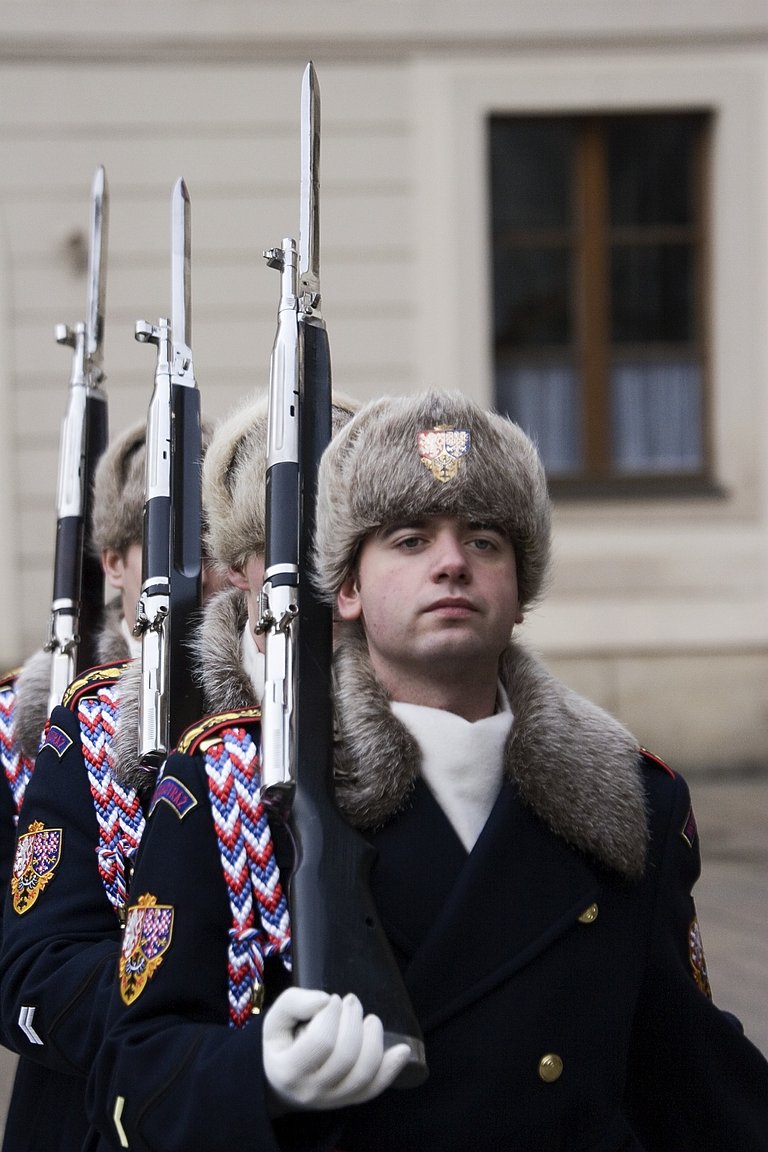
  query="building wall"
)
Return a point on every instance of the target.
[{"x": 659, "y": 610}]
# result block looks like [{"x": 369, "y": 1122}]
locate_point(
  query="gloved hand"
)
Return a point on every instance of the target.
[{"x": 320, "y": 1052}]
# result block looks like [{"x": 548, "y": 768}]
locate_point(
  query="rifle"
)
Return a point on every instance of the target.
[
  {"x": 78, "y": 581},
  {"x": 171, "y": 556},
  {"x": 338, "y": 942}
]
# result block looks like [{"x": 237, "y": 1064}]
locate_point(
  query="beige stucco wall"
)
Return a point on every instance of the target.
[{"x": 658, "y": 609}]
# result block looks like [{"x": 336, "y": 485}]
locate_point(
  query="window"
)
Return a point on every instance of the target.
[{"x": 599, "y": 275}]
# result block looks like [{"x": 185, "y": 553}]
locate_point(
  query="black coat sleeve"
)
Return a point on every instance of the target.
[
  {"x": 7, "y": 833},
  {"x": 7, "y": 842},
  {"x": 694, "y": 1080},
  {"x": 179, "y": 1076},
  {"x": 60, "y": 950}
]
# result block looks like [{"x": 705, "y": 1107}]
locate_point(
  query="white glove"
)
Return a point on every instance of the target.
[{"x": 320, "y": 1052}]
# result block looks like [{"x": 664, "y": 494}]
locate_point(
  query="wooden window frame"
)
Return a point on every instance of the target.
[{"x": 591, "y": 238}]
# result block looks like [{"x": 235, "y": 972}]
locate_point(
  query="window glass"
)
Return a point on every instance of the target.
[{"x": 598, "y": 254}]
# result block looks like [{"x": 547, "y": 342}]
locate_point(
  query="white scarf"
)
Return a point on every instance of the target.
[{"x": 461, "y": 762}]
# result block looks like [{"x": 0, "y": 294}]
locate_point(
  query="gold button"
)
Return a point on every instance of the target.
[
  {"x": 589, "y": 915},
  {"x": 550, "y": 1068}
]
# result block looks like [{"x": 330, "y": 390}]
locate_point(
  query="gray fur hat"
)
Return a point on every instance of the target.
[
  {"x": 118, "y": 490},
  {"x": 234, "y": 480},
  {"x": 435, "y": 454}
]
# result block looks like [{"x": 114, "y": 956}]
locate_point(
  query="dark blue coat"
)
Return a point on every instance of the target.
[
  {"x": 59, "y": 955},
  {"x": 560, "y": 1006}
]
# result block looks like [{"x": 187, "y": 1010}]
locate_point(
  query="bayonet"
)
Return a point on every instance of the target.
[
  {"x": 309, "y": 211},
  {"x": 78, "y": 586},
  {"x": 181, "y": 285},
  {"x": 171, "y": 560},
  {"x": 97, "y": 278}
]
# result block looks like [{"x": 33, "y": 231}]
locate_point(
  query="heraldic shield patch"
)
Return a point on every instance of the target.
[
  {"x": 37, "y": 854},
  {"x": 147, "y": 936},
  {"x": 441, "y": 449}
]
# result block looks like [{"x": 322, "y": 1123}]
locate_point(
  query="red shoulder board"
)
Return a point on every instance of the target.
[
  {"x": 202, "y": 734},
  {"x": 90, "y": 681},
  {"x": 655, "y": 760}
]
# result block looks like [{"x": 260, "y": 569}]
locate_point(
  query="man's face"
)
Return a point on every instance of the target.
[
  {"x": 250, "y": 580},
  {"x": 123, "y": 571},
  {"x": 437, "y": 596},
  {"x": 213, "y": 579}
]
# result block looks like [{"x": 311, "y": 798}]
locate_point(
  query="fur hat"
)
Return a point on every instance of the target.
[
  {"x": 118, "y": 490},
  {"x": 435, "y": 454},
  {"x": 234, "y": 493}
]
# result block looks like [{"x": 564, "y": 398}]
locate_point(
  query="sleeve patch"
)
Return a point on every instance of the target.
[
  {"x": 174, "y": 793},
  {"x": 38, "y": 852},
  {"x": 58, "y": 740},
  {"x": 696, "y": 956},
  {"x": 147, "y": 937},
  {"x": 689, "y": 830}
]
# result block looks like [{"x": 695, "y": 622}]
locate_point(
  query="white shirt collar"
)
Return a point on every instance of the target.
[{"x": 462, "y": 763}]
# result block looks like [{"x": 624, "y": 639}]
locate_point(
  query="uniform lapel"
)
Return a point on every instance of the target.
[
  {"x": 474, "y": 920},
  {"x": 419, "y": 860}
]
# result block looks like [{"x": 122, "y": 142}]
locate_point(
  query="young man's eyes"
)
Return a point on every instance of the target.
[
  {"x": 485, "y": 541},
  {"x": 409, "y": 543}
]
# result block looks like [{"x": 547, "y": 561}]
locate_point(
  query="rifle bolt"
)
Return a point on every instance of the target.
[{"x": 275, "y": 258}]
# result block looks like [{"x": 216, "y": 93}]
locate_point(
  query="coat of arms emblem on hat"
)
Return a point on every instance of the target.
[
  {"x": 441, "y": 449},
  {"x": 148, "y": 930},
  {"x": 37, "y": 853}
]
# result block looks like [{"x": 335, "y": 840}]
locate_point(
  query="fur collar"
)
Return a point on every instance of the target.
[
  {"x": 33, "y": 687},
  {"x": 33, "y": 683},
  {"x": 111, "y": 644},
  {"x": 575, "y": 766},
  {"x": 218, "y": 667}
]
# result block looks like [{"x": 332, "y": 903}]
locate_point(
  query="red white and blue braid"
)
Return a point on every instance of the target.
[
  {"x": 260, "y": 924},
  {"x": 17, "y": 767},
  {"x": 118, "y": 809}
]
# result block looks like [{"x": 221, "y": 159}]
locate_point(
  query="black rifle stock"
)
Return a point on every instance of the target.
[
  {"x": 78, "y": 581},
  {"x": 338, "y": 942},
  {"x": 171, "y": 560}
]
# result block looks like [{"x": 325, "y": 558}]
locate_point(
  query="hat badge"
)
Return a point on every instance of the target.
[{"x": 441, "y": 449}]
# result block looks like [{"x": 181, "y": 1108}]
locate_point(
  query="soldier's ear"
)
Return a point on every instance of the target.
[
  {"x": 113, "y": 566},
  {"x": 238, "y": 579},
  {"x": 348, "y": 600}
]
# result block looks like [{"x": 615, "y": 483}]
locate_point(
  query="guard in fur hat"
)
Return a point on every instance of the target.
[
  {"x": 534, "y": 865},
  {"x": 116, "y": 539},
  {"x": 116, "y": 536},
  {"x": 79, "y": 822},
  {"x": 74, "y": 908}
]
